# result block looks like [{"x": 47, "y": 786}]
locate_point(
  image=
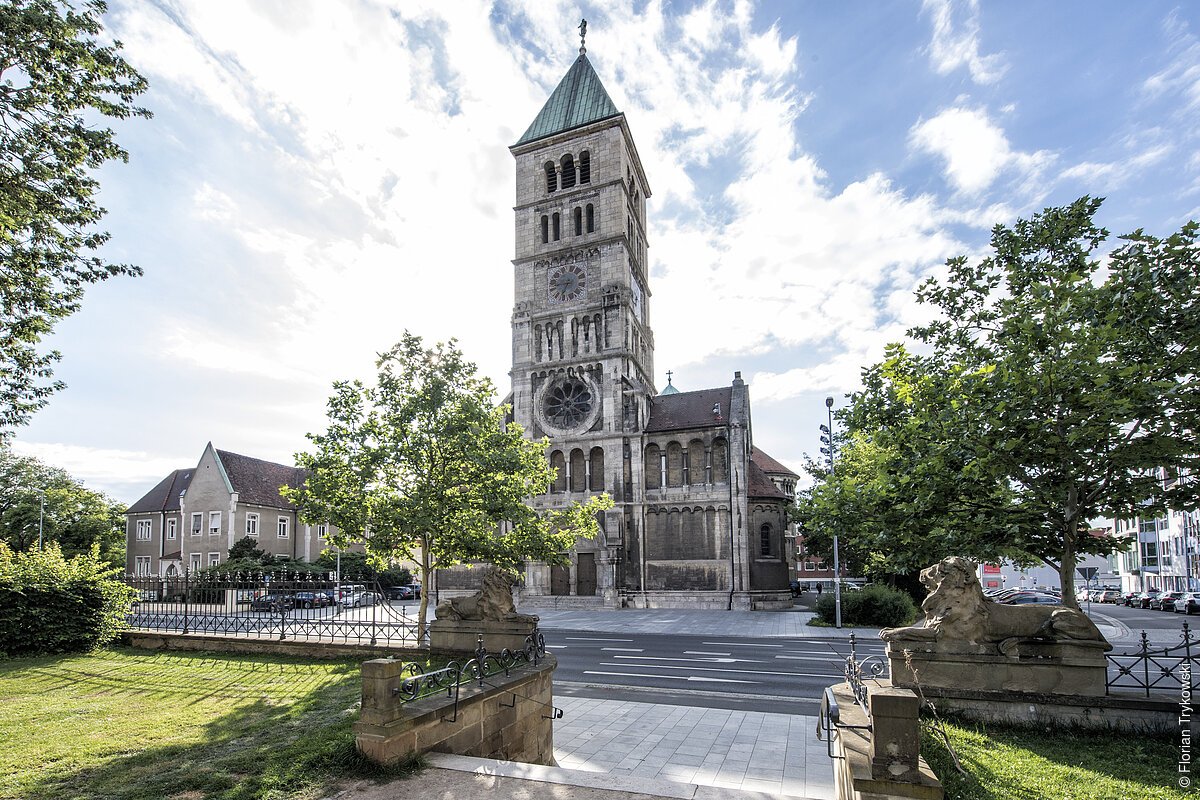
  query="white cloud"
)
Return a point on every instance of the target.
[
  {"x": 975, "y": 150},
  {"x": 955, "y": 43},
  {"x": 105, "y": 467},
  {"x": 1103, "y": 176}
]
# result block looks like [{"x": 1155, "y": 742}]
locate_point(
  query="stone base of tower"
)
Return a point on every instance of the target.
[{"x": 709, "y": 601}]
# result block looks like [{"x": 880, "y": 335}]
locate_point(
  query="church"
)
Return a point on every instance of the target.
[{"x": 699, "y": 519}]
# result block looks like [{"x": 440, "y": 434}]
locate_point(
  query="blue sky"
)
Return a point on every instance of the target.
[{"x": 320, "y": 176}]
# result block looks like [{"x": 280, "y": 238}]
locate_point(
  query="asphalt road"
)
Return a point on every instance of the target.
[
  {"x": 723, "y": 672},
  {"x": 1143, "y": 618}
]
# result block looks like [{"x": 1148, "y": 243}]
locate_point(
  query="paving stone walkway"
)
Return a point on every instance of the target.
[{"x": 755, "y": 751}]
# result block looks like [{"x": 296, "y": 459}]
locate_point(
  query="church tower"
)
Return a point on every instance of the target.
[{"x": 582, "y": 346}]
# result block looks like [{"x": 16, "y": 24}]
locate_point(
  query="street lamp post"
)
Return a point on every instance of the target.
[{"x": 837, "y": 567}]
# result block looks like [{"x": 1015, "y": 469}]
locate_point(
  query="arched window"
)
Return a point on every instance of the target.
[
  {"x": 720, "y": 462},
  {"x": 557, "y": 226},
  {"x": 674, "y": 464},
  {"x": 557, "y": 462},
  {"x": 545, "y": 229},
  {"x": 695, "y": 475},
  {"x": 537, "y": 338},
  {"x": 551, "y": 177},
  {"x": 578, "y": 214},
  {"x": 591, "y": 219},
  {"x": 597, "y": 467},
  {"x": 568, "y": 171},
  {"x": 585, "y": 167},
  {"x": 764, "y": 537},
  {"x": 578, "y": 471},
  {"x": 653, "y": 464}
]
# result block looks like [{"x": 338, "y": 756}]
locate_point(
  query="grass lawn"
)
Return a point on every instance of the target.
[
  {"x": 1031, "y": 764},
  {"x": 126, "y": 724}
]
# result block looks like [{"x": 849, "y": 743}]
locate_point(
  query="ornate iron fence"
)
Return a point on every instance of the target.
[
  {"x": 275, "y": 605},
  {"x": 419, "y": 683},
  {"x": 1155, "y": 670}
]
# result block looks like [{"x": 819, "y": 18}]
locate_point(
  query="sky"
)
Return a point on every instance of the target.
[{"x": 319, "y": 177}]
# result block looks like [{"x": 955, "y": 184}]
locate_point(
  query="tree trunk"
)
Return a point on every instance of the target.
[
  {"x": 423, "y": 609},
  {"x": 1066, "y": 572}
]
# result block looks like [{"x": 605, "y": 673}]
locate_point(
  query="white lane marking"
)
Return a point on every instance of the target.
[
  {"x": 621, "y": 650},
  {"x": 556, "y": 647},
  {"x": 702, "y": 653},
  {"x": 738, "y": 671},
  {"x": 706, "y": 659},
  {"x": 593, "y": 639},
  {"x": 740, "y": 644},
  {"x": 830, "y": 658},
  {"x": 666, "y": 677}
]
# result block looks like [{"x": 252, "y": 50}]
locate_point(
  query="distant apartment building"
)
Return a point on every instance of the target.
[{"x": 192, "y": 517}]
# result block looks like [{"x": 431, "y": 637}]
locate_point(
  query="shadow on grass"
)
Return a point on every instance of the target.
[
  {"x": 1024, "y": 763},
  {"x": 228, "y": 727}
]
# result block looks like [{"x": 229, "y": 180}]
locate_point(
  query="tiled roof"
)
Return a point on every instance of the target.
[
  {"x": 689, "y": 410},
  {"x": 761, "y": 487},
  {"x": 257, "y": 481},
  {"x": 164, "y": 496},
  {"x": 579, "y": 99},
  {"x": 769, "y": 464}
]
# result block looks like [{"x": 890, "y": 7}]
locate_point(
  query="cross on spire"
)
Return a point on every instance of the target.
[
  {"x": 669, "y": 374},
  {"x": 582, "y": 36}
]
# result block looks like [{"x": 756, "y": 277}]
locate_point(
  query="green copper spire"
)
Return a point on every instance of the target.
[{"x": 579, "y": 99}]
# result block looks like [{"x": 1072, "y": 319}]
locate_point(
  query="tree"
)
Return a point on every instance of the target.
[
  {"x": 78, "y": 518},
  {"x": 1058, "y": 388},
  {"x": 422, "y": 467},
  {"x": 246, "y": 549},
  {"x": 56, "y": 79}
]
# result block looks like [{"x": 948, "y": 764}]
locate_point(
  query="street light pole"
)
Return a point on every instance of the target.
[{"x": 837, "y": 567}]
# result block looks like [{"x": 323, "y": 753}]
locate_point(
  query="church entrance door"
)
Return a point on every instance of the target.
[
  {"x": 560, "y": 580},
  {"x": 585, "y": 575}
]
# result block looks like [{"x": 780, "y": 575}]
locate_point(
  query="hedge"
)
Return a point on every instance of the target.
[
  {"x": 49, "y": 604},
  {"x": 877, "y": 606}
]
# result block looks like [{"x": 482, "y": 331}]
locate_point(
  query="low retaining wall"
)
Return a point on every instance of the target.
[
  {"x": 1124, "y": 712},
  {"x": 210, "y": 643},
  {"x": 509, "y": 718}
]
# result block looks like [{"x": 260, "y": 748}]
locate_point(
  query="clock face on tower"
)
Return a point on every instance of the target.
[{"x": 567, "y": 282}]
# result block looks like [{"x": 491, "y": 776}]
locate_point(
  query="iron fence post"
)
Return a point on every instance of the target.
[
  {"x": 186, "y": 592},
  {"x": 1146, "y": 662}
]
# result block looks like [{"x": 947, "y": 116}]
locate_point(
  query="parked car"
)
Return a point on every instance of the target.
[
  {"x": 359, "y": 599},
  {"x": 274, "y": 601},
  {"x": 1034, "y": 599},
  {"x": 1128, "y": 598},
  {"x": 1165, "y": 602},
  {"x": 1187, "y": 603},
  {"x": 1110, "y": 596},
  {"x": 1143, "y": 599},
  {"x": 401, "y": 593},
  {"x": 312, "y": 599}
]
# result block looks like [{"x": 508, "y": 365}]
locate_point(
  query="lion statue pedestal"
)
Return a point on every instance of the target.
[
  {"x": 970, "y": 643},
  {"x": 490, "y": 613}
]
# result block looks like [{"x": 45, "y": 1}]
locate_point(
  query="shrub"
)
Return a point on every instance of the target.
[
  {"x": 878, "y": 606},
  {"x": 49, "y": 604}
]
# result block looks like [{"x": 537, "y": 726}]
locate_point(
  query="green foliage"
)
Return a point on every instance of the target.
[
  {"x": 1052, "y": 389},
  {"x": 1004, "y": 763},
  {"x": 49, "y": 604},
  {"x": 57, "y": 81},
  {"x": 247, "y": 549},
  {"x": 78, "y": 519},
  {"x": 425, "y": 462},
  {"x": 877, "y": 606}
]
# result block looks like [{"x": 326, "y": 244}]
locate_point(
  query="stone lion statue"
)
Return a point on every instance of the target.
[
  {"x": 956, "y": 612},
  {"x": 493, "y": 602}
]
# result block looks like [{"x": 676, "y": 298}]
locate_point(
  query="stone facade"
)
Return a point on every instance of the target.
[{"x": 696, "y": 522}]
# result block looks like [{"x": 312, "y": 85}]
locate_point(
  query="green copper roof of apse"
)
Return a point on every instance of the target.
[{"x": 579, "y": 99}]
